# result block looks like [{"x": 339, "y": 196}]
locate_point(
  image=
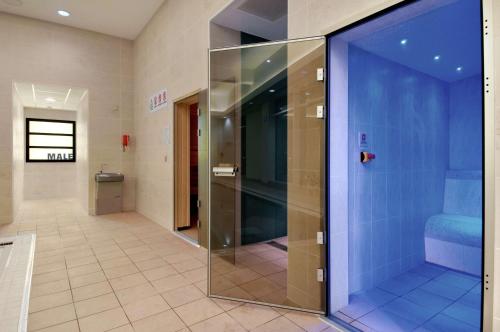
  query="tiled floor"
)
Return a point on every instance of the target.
[
  {"x": 123, "y": 272},
  {"x": 426, "y": 299},
  {"x": 260, "y": 273}
]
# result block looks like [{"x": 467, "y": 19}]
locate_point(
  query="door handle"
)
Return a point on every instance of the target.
[{"x": 225, "y": 171}]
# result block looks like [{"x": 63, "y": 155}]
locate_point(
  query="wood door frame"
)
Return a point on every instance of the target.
[{"x": 181, "y": 131}]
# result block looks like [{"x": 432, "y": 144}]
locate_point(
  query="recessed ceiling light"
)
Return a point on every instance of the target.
[
  {"x": 272, "y": 90},
  {"x": 437, "y": 57},
  {"x": 459, "y": 69},
  {"x": 63, "y": 13},
  {"x": 268, "y": 60},
  {"x": 404, "y": 41},
  {"x": 50, "y": 100}
]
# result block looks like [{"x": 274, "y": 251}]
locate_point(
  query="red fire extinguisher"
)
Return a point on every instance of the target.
[{"x": 125, "y": 142}]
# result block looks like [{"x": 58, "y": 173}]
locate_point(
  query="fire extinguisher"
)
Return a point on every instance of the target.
[{"x": 125, "y": 142}]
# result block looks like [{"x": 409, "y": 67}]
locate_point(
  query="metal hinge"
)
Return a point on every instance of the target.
[
  {"x": 198, "y": 203},
  {"x": 198, "y": 112},
  {"x": 320, "y": 238},
  {"x": 198, "y": 223},
  {"x": 320, "y": 275},
  {"x": 199, "y": 132},
  {"x": 320, "y": 112},
  {"x": 320, "y": 74}
]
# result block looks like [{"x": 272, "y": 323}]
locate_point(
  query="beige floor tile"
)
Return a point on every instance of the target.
[
  {"x": 196, "y": 275},
  {"x": 159, "y": 272},
  {"x": 145, "y": 307},
  {"x": 51, "y": 267},
  {"x": 183, "y": 295},
  {"x": 103, "y": 321},
  {"x": 125, "y": 328},
  {"x": 260, "y": 287},
  {"x": 49, "y": 288},
  {"x": 120, "y": 271},
  {"x": 110, "y": 255},
  {"x": 176, "y": 258},
  {"x": 198, "y": 311},
  {"x": 135, "y": 293},
  {"x": 51, "y": 317},
  {"x": 90, "y": 291},
  {"x": 87, "y": 279},
  {"x": 96, "y": 304},
  {"x": 166, "y": 321},
  {"x": 71, "y": 326},
  {"x": 143, "y": 256},
  {"x": 251, "y": 316},
  {"x": 49, "y": 277},
  {"x": 242, "y": 276},
  {"x": 127, "y": 281},
  {"x": 187, "y": 265},
  {"x": 277, "y": 325},
  {"x": 308, "y": 322},
  {"x": 50, "y": 301},
  {"x": 150, "y": 264},
  {"x": 222, "y": 322},
  {"x": 84, "y": 269},
  {"x": 110, "y": 263},
  {"x": 169, "y": 283},
  {"x": 74, "y": 262},
  {"x": 227, "y": 305}
]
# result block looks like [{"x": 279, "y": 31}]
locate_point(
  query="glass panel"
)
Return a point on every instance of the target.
[
  {"x": 49, "y": 140},
  {"x": 50, "y": 154},
  {"x": 50, "y": 127},
  {"x": 266, "y": 215}
]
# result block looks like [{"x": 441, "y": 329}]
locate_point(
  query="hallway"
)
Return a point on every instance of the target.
[{"x": 122, "y": 272}]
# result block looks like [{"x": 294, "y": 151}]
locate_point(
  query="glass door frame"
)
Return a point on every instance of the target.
[
  {"x": 488, "y": 171},
  {"x": 323, "y": 165}
]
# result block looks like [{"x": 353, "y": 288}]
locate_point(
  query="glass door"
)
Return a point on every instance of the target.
[{"x": 266, "y": 120}]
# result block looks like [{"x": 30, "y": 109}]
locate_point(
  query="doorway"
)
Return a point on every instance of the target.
[
  {"x": 186, "y": 170},
  {"x": 405, "y": 164}
]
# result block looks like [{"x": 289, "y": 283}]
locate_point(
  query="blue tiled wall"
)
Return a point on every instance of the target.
[
  {"x": 405, "y": 116},
  {"x": 466, "y": 124}
]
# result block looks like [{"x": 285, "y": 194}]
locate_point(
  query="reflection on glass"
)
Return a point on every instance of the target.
[
  {"x": 46, "y": 140},
  {"x": 264, "y": 220}
]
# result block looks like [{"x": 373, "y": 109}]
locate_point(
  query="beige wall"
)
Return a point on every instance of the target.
[
  {"x": 17, "y": 155},
  {"x": 82, "y": 152},
  {"x": 46, "y": 53},
  {"x": 170, "y": 53},
  {"x": 48, "y": 180}
]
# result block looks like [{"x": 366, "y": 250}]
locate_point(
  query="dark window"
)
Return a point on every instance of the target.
[{"x": 50, "y": 140}]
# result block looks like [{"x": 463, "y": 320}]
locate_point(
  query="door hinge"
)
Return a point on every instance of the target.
[
  {"x": 198, "y": 223},
  {"x": 320, "y": 74},
  {"x": 320, "y": 238},
  {"x": 198, "y": 203},
  {"x": 198, "y": 112},
  {"x": 320, "y": 275},
  {"x": 320, "y": 112},
  {"x": 199, "y": 132}
]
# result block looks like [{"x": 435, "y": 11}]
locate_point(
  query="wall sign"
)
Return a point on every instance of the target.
[{"x": 158, "y": 101}]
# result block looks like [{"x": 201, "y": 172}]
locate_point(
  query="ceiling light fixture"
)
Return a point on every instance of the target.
[
  {"x": 272, "y": 90},
  {"x": 50, "y": 100},
  {"x": 404, "y": 41},
  {"x": 268, "y": 60},
  {"x": 63, "y": 13},
  {"x": 459, "y": 69},
  {"x": 437, "y": 57}
]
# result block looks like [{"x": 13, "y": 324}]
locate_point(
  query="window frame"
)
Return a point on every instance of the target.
[{"x": 28, "y": 146}]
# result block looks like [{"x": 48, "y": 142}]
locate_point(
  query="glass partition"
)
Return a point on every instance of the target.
[{"x": 267, "y": 174}]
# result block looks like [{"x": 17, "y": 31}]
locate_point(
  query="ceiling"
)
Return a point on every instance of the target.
[
  {"x": 264, "y": 18},
  {"x": 451, "y": 32},
  {"x": 49, "y": 96},
  {"x": 120, "y": 18}
]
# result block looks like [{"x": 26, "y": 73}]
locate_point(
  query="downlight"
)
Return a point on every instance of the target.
[{"x": 63, "y": 13}]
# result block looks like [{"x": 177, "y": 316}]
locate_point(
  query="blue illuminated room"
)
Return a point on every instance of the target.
[{"x": 405, "y": 170}]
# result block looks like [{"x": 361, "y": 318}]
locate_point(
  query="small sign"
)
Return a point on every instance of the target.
[
  {"x": 158, "y": 101},
  {"x": 363, "y": 141}
]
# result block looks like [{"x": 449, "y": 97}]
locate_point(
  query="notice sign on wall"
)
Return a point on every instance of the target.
[{"x": 158, "y": 101}]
